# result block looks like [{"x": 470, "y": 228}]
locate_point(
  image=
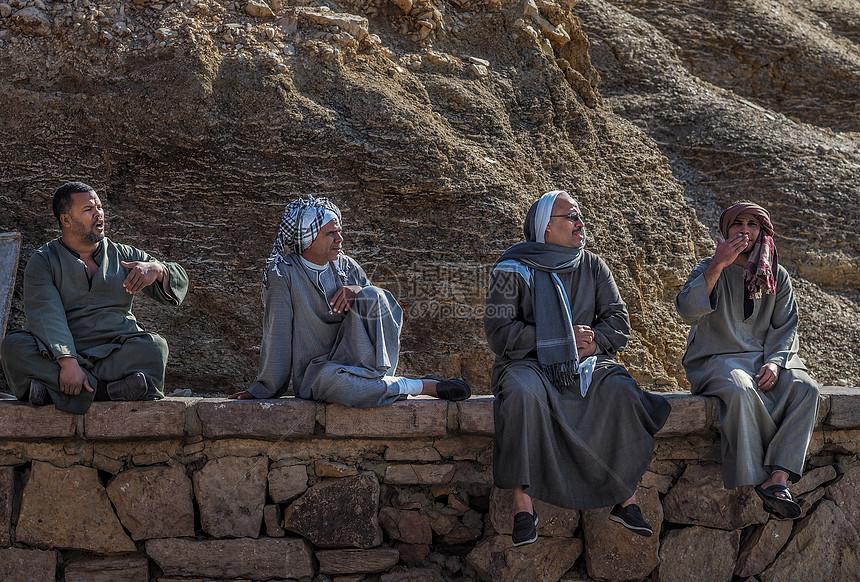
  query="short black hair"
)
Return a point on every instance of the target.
[{"x": 63, "y": 196}]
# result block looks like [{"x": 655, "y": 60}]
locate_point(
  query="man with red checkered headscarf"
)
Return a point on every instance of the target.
[{"x": 742, "y": 348}]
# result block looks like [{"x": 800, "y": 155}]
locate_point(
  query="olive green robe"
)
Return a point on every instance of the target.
[{"x": 69, "y": 314}]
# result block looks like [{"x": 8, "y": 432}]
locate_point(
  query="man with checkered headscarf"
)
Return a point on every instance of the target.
[
  {"x": 325, "y": 327},
  {"x": 742, "y": 348}
]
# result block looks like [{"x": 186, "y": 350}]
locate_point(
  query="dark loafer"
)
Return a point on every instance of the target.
[
  {"x": 631, "y": 518},
  {"x": 525, "y": 528},
  {"x": 453, "y": 389},
  {"x": 38, "y": 394},
  {"x": 132, "y": 387},
  {"x": 785, "y": 507}
]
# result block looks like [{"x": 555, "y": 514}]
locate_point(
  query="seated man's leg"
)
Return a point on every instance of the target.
[
  {"x": 523, "y": 426},
  {"x": 145, "y": 353},
  {"x": 746, "y": 426},
  {"x": 793, "y": 404},
  {"x": 623, "y": 420},
  {"x": 23, "y": 362},
  {"x": 358, "y": 370}
]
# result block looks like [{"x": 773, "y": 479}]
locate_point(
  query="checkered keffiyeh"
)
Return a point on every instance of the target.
[
  {"x": 760, "y": 272},
  {"x": 302, "y": 222}
]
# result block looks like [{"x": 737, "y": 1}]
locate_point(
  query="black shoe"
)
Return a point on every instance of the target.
[
  {"x": 132, "y": 387},
  {"x": 454, "y": 389},
  {"x": 631, "y": 518},
  {"x": 525, "y": 528},
  {"x": 39, "y": 394}
]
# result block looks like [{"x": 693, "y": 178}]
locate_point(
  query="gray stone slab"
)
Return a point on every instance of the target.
[
  {"x": 108, "y": 570},
  {"x": 126, "y": 420},
  {"x": 357, "y": 561},
  {"x": 19, "y": 420},
  {"x": 844, "y": 406},
  {"x": 690, "y": 414},
  {"x": 409, "y": 418},
  {"x": 10, "y": 251},
  {"x": 257, "y": 559},
  {"x": 267, "y": 419},
  {"x": 476, "y": 415}
]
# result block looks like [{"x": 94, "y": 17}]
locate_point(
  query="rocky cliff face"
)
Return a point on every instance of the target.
[{"x": 434, "y": 124}]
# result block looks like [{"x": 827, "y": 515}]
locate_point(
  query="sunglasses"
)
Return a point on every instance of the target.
[{"x": 573, "y": 217}]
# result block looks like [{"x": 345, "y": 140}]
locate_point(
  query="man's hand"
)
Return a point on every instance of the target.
[
  {"x": 344, "y": 298},
  {"x": 243, "y": 395},
  {"x": 584, "y": 338},
  {"x": 728, "y": 250},
  {"x": 72, "y": 377},
  {"x": 767, "y": 375},
  {"x": 142, "y": 275}
]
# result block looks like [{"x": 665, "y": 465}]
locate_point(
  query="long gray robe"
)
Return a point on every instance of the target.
[
  {"x": 565, "y": 449},
  {"x": 760, "y": 430},
  {"x": 69, "y": 314},
  {"x": 333, "y": 357}
]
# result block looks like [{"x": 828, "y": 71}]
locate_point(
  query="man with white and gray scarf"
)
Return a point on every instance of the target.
[
  {"x": 325, "y": 327},
  {"x": 572, "y": 427}
]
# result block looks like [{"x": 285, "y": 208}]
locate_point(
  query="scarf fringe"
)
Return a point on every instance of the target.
[{"x": 563, "y": 375}]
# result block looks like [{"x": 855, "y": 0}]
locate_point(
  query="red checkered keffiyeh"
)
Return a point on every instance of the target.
[{"x": 760, "y": 272}]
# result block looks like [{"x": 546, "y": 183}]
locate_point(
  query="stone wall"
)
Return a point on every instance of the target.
[{"x": 214, "y": 490}]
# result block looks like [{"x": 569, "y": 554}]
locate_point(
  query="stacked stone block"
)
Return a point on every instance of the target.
[{"x": 193, "y": 489}]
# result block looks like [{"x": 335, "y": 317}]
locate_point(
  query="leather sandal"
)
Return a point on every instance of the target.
[{"x": 785, "y": 507}]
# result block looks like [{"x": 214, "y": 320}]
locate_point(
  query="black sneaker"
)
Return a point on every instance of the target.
[
  {"x": 454, "y": 389},
  {"x": 38, "y": 394},
  {"x": 525, "y": 528},
  {"x": 631, "y": 518}
]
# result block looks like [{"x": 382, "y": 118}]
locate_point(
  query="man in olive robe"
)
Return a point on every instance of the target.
[
  {"x": 742, "y": 348},
  {"x": 82, "y": 342}
]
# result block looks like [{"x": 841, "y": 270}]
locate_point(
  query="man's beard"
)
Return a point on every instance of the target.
[
  {"x": 90, "y": 235},
  {"x": 94, "y": 237}
]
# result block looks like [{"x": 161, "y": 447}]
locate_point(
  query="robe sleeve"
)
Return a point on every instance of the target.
[
  {"x": 276, "y": 348},
  {"x": 357, "y": 276},
  {"x": 46, "y": 315},
  {"x": 781, "y": 342},
  {"x": 508, "y": 334},
  {"x": 178, "y": 279},
  {"x": 611, "y": 324},
  {"x": 694, "y": 301}
]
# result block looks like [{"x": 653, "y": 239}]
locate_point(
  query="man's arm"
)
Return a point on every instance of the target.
[
  {"x": 145, "y": 270},
  {"x": 46, "y": 320},
  {"x": 611, "y": 325},
  {"x": 781, "y": 341},
  {"x": 43, "y": 306},
  {"x": 276, "y": 348},
  {"x": 699, "y": 295},
  {"x": 344, "y": 297},
  {"x": 507, "y": 334},
  {"x": 726, "y": 253}
]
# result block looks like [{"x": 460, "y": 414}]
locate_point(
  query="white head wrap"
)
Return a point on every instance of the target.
[{"x": 543, "y": 212}]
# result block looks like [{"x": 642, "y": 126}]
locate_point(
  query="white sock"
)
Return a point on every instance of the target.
[{"x": 409, "y": 386}]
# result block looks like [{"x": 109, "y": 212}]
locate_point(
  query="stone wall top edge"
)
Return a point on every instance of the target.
[{"x": 50, "y": 423}]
